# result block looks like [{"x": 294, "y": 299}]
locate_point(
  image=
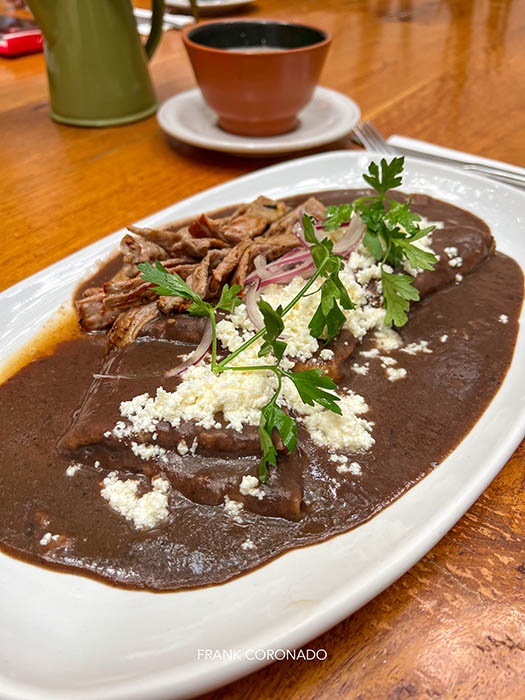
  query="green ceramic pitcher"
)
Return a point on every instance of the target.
[{"x": 96, "y": 65}]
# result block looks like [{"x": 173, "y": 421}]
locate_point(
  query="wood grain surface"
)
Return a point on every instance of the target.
[{"x": 448, "y": 71}]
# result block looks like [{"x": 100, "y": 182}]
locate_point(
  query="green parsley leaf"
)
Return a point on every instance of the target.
[
  {"x": 274, "y": 326},
  {"x": 417, "y": 257},
  {"x": 229, "y": 299},
  {"x": 170, "y": 284},
  {"x": 398, "y": 291},
  {"x": 337, "y": 215},
  {"x": 399, "y": 214},
  {"x": 274, "y": 418},
  {"x": 329, "y": 318},
  {"x": 390, "y": 176},
  {"x": 310, "y": 384},
  {"x": 309, "y": 230},
  {"x": 372, "y": 242}
]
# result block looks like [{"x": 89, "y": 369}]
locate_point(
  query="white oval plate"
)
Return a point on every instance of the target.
[
  {"x": 67, "y": 637},
  {"x": 329, "y": 116}
]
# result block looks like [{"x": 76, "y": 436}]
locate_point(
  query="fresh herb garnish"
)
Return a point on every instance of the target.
[
  {"x": 311, "y": 385},
  {"x": 274, "y": 418},
  {"x": 391, "y": 232}
]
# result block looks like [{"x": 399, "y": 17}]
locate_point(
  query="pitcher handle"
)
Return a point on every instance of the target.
[{"x": 157, "y": 17}]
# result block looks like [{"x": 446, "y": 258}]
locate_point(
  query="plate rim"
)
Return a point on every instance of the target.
[{"x": 333, "y": 613}]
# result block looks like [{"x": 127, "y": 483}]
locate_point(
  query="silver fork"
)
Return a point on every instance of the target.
[{"x": 369, "y": 137}]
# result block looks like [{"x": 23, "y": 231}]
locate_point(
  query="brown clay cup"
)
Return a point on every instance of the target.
[{"x": 256, "y": 74}]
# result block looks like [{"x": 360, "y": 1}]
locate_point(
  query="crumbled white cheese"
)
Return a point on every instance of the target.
[
  {"x": 97, "y": 464},
  {"x": 248, "y": 545},
  {"x": 121, "y": 430},
  {"x": 370, "y": 353},
  {"x": 387, "y": 362},
  {"x": 326, "y": 354},
  {"x": 240, "y": 396},
  {"x": 361, "y": 369},
  {"x": 47, "y": 538},
  {"x": 394, "y": 374},
  {"x": 182, "y": 448},
  {"x": 415, "y": 348},
  {"x": 233, "y": 508},
  {"x": 458, "y": 277},
  {"x": 346, "y": 431},
  {"x": 444, "y": 338},
  {"x": 343, "y": 459},
  {"x": 146, "y": 511},
  {"x": 145, "y": 451},
  {"x": 73, "y": 469},
  {"x": 352, "y": 468},
  {"x": 451, "y": 251},
  {"x": 251, "y": 486},
  {"x": 387, "y": 339},
  {"x": 456, "y": 262},
  {"x": 140, "y": 412},
  {"x": 503, "y": 318}
]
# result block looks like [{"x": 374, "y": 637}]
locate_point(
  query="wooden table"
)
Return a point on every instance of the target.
[{"x": 448, "y": 71}]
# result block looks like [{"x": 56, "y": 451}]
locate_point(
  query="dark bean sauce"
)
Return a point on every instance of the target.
[{"x": 417, "y": 422}]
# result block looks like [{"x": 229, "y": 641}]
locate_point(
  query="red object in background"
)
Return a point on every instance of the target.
[{"x": 19, "y": 36}]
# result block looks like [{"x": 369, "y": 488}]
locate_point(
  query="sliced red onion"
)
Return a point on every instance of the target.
[
  {"x": 298, "y": 230},
  {"x": 253, "y": 311},
  {"x": 197, "y": 355},
  {"x": 294, "y": 256},
  {"x": 286, "y": 275},
  {"x": 298, "y": 261},
  {"x": 351, "y": 237},
  {"x": 261, "y": 267},
  {"x": 299, "y": 255}
]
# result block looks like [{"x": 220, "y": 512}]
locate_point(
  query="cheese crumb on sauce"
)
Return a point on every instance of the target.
[
  {"x": 73, "y": 469},
  {"x": 458, "y": 277},
  {"x": 47, "y": 538},
  {"x": 250, "y": 486},
  {"x": 454, "y": 260},
  {"x": 395, "y": 374},
  {"x": 415, "y": 348},
  {"x": 352, "y": 468},
  {"x": 233, "y": 508},
  {"x": 146, "y": 511},
  {"x": 444, "y": 338},
  {"x": 248, "y": 545},
  {"x": 361, "y": 369},
  {"x": 387, "y": 339},
  {"x": 182, "y": 448},
  {"x": 145, "y": 451},
  {"x": 503, "y": 318},
  {"x": 326, "y": 354}
]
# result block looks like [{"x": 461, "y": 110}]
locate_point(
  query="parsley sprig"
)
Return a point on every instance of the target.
[
  {"x": 312, "y": 386},
  {"x": 392, "y": 230}
]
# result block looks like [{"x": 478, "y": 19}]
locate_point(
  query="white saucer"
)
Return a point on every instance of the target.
[
  {"x": 329, "y": 116},
  {"x": 210, "y": 7}
]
